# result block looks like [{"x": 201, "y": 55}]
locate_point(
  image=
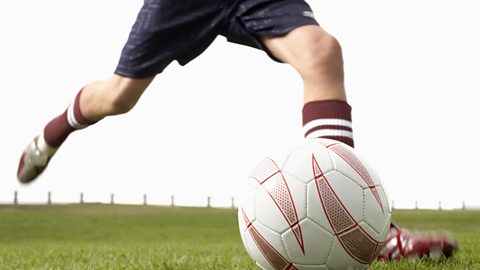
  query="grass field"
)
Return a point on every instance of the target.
[{"x": 152, "y": 237}]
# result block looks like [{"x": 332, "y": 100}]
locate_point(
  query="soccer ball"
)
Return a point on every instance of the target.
[{"x": 320, "y": 207}]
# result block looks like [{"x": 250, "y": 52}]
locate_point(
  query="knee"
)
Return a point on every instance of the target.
[
  {"x": 321, "y": 54},
  {"x": 118, "y": 102}
]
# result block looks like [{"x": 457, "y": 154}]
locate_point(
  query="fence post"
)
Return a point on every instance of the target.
[
  {"x": 464, "y": 206},
  {"x": 416, "y": 205},
  {"x": 440, "y": 205},
  {"x": 15, "y": 198},
  {"x": 172, "y": 201},
  {"x": 81, "y": 198},
  {"x": 393, "y": 205},
  {"x": 49, "y": 200},
  {"x": 111, "y": 199},
  {"x": 144, "y": 199},
  {"x": 208, "y": 202},
  {"x": 233, "y": 203}
]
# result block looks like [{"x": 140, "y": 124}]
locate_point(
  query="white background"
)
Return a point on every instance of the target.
[{"x": 412, "y": 74}]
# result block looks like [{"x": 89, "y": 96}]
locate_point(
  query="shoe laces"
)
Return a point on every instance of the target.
[{"x": 37, "y": 157}]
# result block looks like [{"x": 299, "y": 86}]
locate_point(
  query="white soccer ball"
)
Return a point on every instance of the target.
[{"x": 320, "y": 207}]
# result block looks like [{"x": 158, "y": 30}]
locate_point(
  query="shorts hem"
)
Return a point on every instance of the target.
[
  {"x": 134, "y": 75},
  {"x": 258, "y": 37}
]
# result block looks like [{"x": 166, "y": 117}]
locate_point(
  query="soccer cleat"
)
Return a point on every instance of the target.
[
  {"x": 403, "y": 244},
  {"x": 32, "y": 163}
]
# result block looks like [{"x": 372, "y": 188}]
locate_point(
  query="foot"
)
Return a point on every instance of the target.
[
  {"x": 32, "y": 163},
  {"x": 403, "y": 244}
]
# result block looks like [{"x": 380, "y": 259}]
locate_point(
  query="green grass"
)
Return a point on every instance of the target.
[{"x": 152, "y": 237}]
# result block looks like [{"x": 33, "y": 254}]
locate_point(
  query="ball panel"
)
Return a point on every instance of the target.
[
  {"x": 298, "y": 192},
  {"x": 316, "y": 245},
  {"x": 255, "y": 253},
  {"x": 310, "y": 267},
  {"x": 242, "y": 224},
  {"x": 383, "y": 235},
  {"x": 345, "y": 160},
  {"x": 247, "y": 198},
  {"x": 266, "y": 247},
  {"x": 315, "y": 210},
  {"x": 349, "y": 194},
  {"x": 341, "y": 260},
  {"x": 359, "y": 244},
  {"x": 377, "y": 180},
  {"x": 299, "y": 162},
  {"x": 348, "y": 163},
  {"x": 375, "y": 215},
  {"x": 338, "y": 216},
  {"x": 265, "y": 169},
  {"x": 275, "y": 200},
  {"x": 273, "y": 212},
  {"x": 378, "y": 236},
  {"x": 323, "y": 141}
]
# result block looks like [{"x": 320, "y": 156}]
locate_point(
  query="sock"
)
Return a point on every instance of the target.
[
  {"x": 58, "y": 129},
  {"x": 330, "y": 119},
  {"x": 44, "y": 147}
]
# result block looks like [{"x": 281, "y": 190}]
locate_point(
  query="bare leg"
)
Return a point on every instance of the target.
[
  {"x": 95, "y": 101},
  {"x": 317, "y": 56},
  {"x": 111, "y": 97}
]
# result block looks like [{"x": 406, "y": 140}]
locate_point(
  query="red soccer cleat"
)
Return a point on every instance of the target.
[{"x": 403, "y": 244}]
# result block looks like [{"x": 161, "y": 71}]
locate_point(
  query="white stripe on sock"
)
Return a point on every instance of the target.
[
  {"x": 326, "y": 121},
  {"x": 330, "y": 132},
  {"x": 72, "y": 121}
]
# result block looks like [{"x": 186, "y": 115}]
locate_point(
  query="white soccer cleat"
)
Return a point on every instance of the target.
[{"x": 32, "y": 163}]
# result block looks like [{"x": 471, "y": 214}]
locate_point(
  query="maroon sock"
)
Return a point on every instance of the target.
[
  {"x": 330, "y": 119},
  {"x": 58, "y": 129}
]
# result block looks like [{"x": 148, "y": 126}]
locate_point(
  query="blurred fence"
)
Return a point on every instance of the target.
[
  {"x": 143, "y": 201},
  {"x": 208, "y": 203}
]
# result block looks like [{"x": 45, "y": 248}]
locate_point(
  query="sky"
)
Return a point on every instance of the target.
[{"x": 411, "y": 73}]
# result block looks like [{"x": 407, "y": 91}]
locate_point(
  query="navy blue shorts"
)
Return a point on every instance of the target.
[{"x": 168, "y": 30}]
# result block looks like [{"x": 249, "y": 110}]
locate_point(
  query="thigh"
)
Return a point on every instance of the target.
[
  {"x": 256, "y": 20},
  {"x": 168, "y": 30}
]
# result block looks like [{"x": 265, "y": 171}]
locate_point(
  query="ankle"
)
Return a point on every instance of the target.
[{"x": 44, "y": 147}]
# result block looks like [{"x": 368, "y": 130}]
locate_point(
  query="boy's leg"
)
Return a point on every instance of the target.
[
  {"x": 117, "y": 95},
  {"x": 163, "y": 32},
  {"x": 94, "y": 102},
  {"x": 317, "y": 57}
]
